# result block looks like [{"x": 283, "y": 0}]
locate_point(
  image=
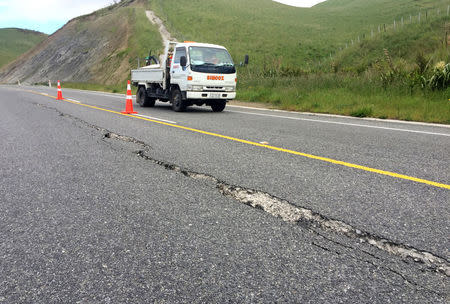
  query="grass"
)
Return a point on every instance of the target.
[
  {"x": 145, "y": 38},
  {"x": 265, "y": 29},
  {"x": 347, "y": 95},
  {"x": 15, "y": 42},
  {"x": 403, "y": 45}
]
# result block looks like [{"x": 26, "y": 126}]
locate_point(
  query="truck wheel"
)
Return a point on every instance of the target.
[
  {"x": 143, "y": 100},
  {"x": 218, "y": 106},
  {"x": 178, "y": 104}
]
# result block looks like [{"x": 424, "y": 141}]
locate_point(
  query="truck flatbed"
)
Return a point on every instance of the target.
[{"x": 148, "y": 74}]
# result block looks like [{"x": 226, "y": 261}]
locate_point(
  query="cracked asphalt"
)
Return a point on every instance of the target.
[{"x": 84, "y": 219}]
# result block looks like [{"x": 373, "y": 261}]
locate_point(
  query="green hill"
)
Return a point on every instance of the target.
[
  {"x": 265, "y": 28},
  {"x": 14, "y": 42}
]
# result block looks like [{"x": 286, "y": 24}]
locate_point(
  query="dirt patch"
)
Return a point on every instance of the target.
[{"x": 166, "y": 36}]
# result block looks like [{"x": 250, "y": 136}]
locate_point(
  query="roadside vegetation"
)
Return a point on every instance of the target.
[{"x": 15, "y": 42}]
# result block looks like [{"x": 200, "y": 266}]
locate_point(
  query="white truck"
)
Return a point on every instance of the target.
[{"x": 188, "y": 73}]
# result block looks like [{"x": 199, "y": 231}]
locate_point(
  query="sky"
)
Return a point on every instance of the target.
[
  {"x": 48, "y": 16},
  {"x": 45, "y": 16}
]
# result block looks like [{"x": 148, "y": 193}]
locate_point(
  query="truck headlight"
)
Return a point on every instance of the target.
[
  {"x": 191, "y": 87},
  {"x": 230, "y": 89}
]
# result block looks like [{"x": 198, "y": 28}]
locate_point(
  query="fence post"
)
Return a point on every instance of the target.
[
  {"x": 448, "y": 9},
  {"x": 419, "y": 17},
  {"x": 402, "y": 21},
  {"x": 410, "y": 19},
  {"x": 385, "y": 27},
  {"x": 139, "y": 62},
  {"x": 379, "y": 30},
  {"x": 394, "y": 25}
]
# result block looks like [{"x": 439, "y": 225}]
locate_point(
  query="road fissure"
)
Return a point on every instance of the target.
[
  {"x": 281, "y": 208},
  {"x": 274, "y": 148}
]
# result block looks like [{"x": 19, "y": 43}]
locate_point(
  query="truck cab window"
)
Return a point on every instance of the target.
[
  {"x": 180, "y": 51},
  {"x": 211, "y": 60}
]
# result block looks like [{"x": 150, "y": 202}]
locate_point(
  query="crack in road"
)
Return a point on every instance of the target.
[
  {"x": 283, "y": 209},
  {"x": 298, "y": 215}
]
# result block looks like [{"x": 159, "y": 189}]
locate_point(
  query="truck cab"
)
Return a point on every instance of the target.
[{"x": 190, "y": 74}]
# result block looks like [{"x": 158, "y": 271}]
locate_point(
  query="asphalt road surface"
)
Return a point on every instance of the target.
[{"x": 248, "y": 205}]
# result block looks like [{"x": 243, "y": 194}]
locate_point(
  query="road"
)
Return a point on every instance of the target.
[{"x": 248, "y": 205}]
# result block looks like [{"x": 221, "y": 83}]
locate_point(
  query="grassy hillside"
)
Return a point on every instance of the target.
[
  {"x": 324, "y": 59},
  {"x": 14, "y": 42},
  {"x": 404, "y": 45},
  {"x": 264, "y": 28}
]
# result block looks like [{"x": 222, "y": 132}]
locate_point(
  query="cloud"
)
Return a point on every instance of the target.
[
  {"x": 15, "y": 13},
  {"x": 45, "y": 10},
  {"x": 300, "y": 3}
]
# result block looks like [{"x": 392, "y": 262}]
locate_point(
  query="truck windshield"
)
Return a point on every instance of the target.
[{"x": 210, "y": 60}]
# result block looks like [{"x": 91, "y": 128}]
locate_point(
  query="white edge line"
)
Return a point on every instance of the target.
[
  {"x": 149, "y": 117},
  {"x": 427, "y": 124},
  {"x": 119, "y": 95},
  {"x": 342, "y": 123},
  {"x": 116, "y": 95},
  {"x": 155, "y": 118}
]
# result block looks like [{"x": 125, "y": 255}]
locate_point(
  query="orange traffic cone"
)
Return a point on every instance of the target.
[
  {"x": 129, "y": 104},
  {"x": 59, "y": 92}
]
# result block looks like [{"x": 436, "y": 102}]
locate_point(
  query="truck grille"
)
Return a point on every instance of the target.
[{"x": 215, "y": 88}]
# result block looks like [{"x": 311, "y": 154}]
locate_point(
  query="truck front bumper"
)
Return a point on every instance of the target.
[{"x": 210, "y": 95}]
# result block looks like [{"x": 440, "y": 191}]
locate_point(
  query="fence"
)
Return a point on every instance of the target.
[{"x": 421, "y": 18}]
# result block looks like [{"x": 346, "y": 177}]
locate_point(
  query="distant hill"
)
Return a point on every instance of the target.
[
  {"x": 100, "y": 47},
  {"x": 14, "y": 42}
]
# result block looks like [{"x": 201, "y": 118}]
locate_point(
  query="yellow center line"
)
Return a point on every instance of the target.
[{"x": 325, "y": 159}]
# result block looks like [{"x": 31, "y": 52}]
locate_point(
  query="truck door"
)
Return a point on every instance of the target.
[{"x": 178, "y": 74}]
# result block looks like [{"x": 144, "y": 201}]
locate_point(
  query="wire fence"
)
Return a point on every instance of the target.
[{"x": 422, "y": 17}]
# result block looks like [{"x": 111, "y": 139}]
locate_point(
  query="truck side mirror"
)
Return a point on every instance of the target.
[
  {"x": 183, "y": 61},
  {"x": 246, "y": 59}
]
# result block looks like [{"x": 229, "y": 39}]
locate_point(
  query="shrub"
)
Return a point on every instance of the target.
[
  {"x": 362, "y": 112},
  {"x": 440, "y": 80}
]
